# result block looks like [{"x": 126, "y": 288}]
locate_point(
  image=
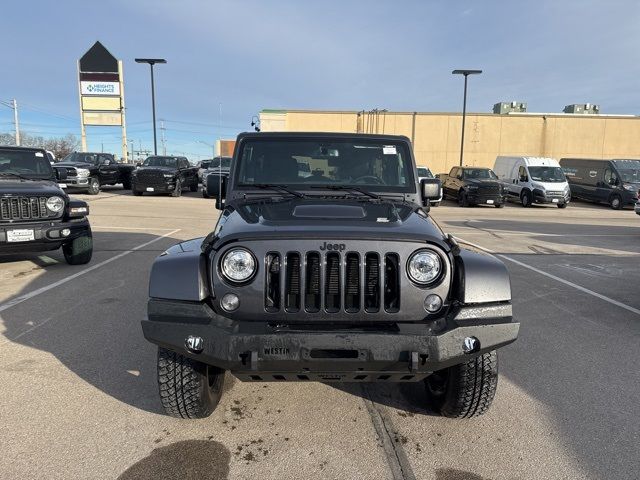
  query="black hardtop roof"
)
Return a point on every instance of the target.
[
  {"x": 93, "y": 153},
  {"x": 469, "y": 167},
  {"x": 14, "y": 147},
  {"x": 341, "y": 135}
]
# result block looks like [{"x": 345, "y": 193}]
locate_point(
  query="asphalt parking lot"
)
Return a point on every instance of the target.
[{"x": 79, "y": 389}]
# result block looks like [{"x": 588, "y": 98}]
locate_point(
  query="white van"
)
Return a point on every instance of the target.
[{"x": 532, "y": 180}]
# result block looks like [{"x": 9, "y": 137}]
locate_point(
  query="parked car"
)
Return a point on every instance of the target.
[
  {"x": 35, "y": 213},
  {"x": 614, "y": 182},
  {"x": 530, "y": 180},
  {"x": 202, "y": 166},
  {"x": 473, "y": 186},
  {"x": 424, "y": 172},
  {"x": 339, "y": 277},
  {"x": 87, "y": 171},
  {"x": 219, "y": 167},
  {"x": 164, "y": 174}
]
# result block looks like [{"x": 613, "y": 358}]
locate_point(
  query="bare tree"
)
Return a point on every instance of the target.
[{"x": 60, "y": 146}]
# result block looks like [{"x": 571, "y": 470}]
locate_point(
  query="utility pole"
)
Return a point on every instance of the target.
[
  {"x": 15, "y": 121},
  {"x": 162, "y": 139}
]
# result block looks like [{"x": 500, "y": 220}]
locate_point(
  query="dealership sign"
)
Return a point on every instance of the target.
[{"x": 100, "y": 88}]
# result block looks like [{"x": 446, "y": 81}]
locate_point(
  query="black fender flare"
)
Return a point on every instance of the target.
[
  {"x": 481, "y": 278},
  {"x": 180, "y": 273}
]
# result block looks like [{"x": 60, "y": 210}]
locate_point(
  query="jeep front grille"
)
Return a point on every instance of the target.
[
  {"x": 24, "y": 208},
  {"x": 332, "y": 281}
]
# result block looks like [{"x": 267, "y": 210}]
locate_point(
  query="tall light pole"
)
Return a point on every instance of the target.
[
  {"x": 466, "y": 73},
  {"x": 14, "y": 106},
  {"x": 152, "y": 62}
]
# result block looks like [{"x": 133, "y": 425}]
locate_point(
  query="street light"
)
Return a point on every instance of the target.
[
  {"x": 152, "y": 62},
  {"x": 466, "y": 73}
]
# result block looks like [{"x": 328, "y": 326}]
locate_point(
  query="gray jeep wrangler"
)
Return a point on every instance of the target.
[{"x": 337, "y": 276}]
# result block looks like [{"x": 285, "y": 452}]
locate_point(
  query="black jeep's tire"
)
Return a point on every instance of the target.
[
  {"x": 465, "y": 390},
  {"x": 94, "y": 186},
  {"x": 137, "y": 193},
  {"x": 177, "y": 191},
  {"x": 562, "y": 205},
  {"x": 525, "y": 198},
  {"x": 615, "y": 202},
  {"x": 499, "y": 205},
  {"x": 204, "y": 193},
  {"x": 463, "y": 201},
  {"x": 79, "y": 250},
  {"x": 126, "y": 184},
  {"x": 194, "y": 187},
  {"x": 188, "y": 388}
]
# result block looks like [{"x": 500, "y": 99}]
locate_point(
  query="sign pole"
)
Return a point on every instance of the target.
[
  {"x": 83, "y": 132},
  {"x": 125, "y": 152}
]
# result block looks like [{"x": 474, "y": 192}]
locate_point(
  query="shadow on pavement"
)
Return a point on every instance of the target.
[{"x": 91, "y": 324}]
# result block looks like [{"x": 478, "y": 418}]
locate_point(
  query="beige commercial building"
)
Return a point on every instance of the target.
[{"x": 436, "y": 136}]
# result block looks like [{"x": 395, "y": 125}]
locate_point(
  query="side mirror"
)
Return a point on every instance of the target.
[
  {"x": 61, "y": 173},
  {"x": 523, "y": 178},
  {"x": 613, "y": 181},
  {"x": 430, "y": 189},
  {"x": 437, "y": 175},
  {"x": 217, "y": 188}
]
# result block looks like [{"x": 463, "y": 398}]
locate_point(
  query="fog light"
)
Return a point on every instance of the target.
[
  {"x": 230, "y": 302},
  {"x": 432, "y": 303},
  {"x": 470, "y": 345},
  {"x": 65, "y": 232},
  {"x": 194, "y": 344}
]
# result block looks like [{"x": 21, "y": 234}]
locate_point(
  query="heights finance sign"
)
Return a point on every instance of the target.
[{"x": 99, "y": 88}]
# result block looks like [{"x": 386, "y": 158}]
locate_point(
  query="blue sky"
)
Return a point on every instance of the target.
[{"x": 238, "y": 57}]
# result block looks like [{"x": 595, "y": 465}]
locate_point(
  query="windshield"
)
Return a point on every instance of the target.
[
  {"x": 171, "y": 162},
  {"x": 378, "y": 165},
  {"x": 226, "y": 163},
  {"x": 482, "y": 173},
  {"x": 547, "y": 174},
  {"x": 424, "y": 172},
  {"x": 31, "y": 164},
  {"x": 79, "y": 157},
  {"x": 205, "y": 164}
]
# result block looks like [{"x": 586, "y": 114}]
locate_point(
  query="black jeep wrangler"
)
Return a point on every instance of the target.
[
  {"x": 35, "y": 213},
  {"x": 338, "y": 276}
]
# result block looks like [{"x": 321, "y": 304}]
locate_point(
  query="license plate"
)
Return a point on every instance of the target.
[
  {"x": 490, "y": 202},
  {"x": 555, "y": 200},
  {"x": 149, "y": 189},
  {"x": 62, "y": 185},
  {"x": 23, "y": 235}
]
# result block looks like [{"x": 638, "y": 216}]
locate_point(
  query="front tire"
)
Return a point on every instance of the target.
[
  {"x": 137, "y": 193},
  {"x": 188, "y": 388},
  {"x": 126, "y": 184},
  {"x": 177, "y": 191},
  {"x": 463, "y": 201},
  {"x": 562, "y": 205},
  {"x": 94, "y": 186},
  {"x": 525, "y": 198},
  {"x": 466, "y": 390},
  {"x": 79, "y": 250},
  {"x": 616, "y": 202},
  {"x": 193, "y": 188}
]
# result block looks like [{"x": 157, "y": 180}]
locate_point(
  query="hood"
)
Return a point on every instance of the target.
[
  {"x": 15, "y": 186},
  {"x": 550, "y": 186},
  {"x": 74, "y": 164},
  {"x": 482, "y": 181},
  {"x": 156, "y": 169},
  {"x": 328, "y": 218}
]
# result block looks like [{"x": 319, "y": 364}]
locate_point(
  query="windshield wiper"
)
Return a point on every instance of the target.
[
  {"x": 276, "y": 187},
  {"x": 349, "y": 188},
  {"x": 17, "y": 175}
]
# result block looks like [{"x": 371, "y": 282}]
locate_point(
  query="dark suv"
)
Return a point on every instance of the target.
[
  {"x": 35, "y": 213},
  {"x": 338, "y": 276}
]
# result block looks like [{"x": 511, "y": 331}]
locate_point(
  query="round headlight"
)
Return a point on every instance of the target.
[
  {"x": 424, "y": 266},
  {"x": 238, "y": 265},
  {"x": 55, "y": 204}
]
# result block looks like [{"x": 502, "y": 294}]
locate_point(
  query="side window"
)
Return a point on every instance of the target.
[
  {"x": 610, "y": 177},
  {"x": 522, "y": 174},
  {"x": 104, "y": 160}
]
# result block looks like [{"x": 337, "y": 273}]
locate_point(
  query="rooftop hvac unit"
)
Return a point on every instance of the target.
[
  {"x": 509, "y": 107},
  {"x": 582, "y": 108}
]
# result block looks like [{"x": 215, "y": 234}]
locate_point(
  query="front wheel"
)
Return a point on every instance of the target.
[
  {"x": 194, "y": 187},
  {"x": 499, "y": 205},
  {"x": 188, "y": 388},
  {"x": 525, "y": 198},
  {"x": 94, "y": 186},
  {"x": 616, "y": 202},
  {"x": 463, "y": 201},
  {"x": 178, "y": 190},
  {"x": 137, "y": 193},
  {"x": 465, "y": 390},
  {"x": 562, "y": 205},
  {"x": 126, "y": 184},
  {"x": 79, "y": 250}
]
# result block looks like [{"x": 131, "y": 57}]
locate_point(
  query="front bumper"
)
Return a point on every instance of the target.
[
  {"x": 73, "y": 183},
  {"x": 259, "y": 351},
  {"x": 155, "y": 187},
  {"x": 47, "y": 235},
  {"x": 485, "y": 199},
  {"x": 560, "y": 198}
]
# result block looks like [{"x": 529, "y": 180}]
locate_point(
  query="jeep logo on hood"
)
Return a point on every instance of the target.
[{"x": 333, "y": 246}]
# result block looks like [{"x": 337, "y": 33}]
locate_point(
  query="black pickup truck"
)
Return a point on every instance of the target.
[
  {"x": 473, "y": 186},
  {"x": 341, "y": 276},
  {"x": 164, "y": 174},
  {"x": 89, "y": 171},
  {"x": 35, "y": 213}
]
